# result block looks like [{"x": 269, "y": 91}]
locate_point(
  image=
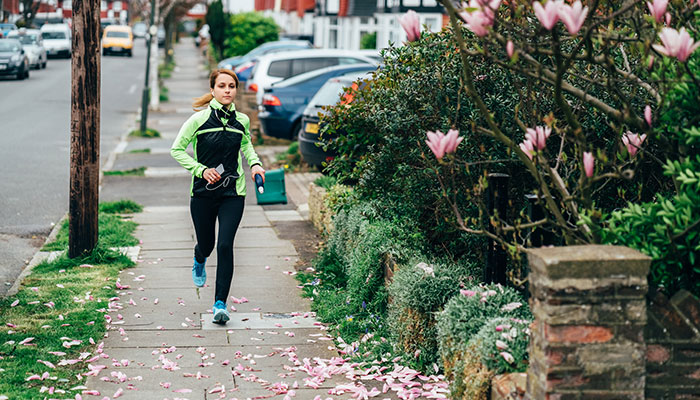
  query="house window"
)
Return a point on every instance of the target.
[
  {"x": 332, "y": 6},
  {"x": 103, "y": 5},
  {"x": 432, "y": 24},
  {"x": 333, "y": 38},
  {"x": 429, "y": 3},
  {"x": 67, "y": 4},
  {"x": 117, "y": 6},
  {"x": 411, "y": 3}
]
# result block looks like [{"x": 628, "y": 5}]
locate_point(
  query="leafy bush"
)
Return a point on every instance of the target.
[
  {"x": 465, "y": 314},
  {"x": 325, "y": 181},
  {"x": 668, "y": 228},
  {"x": 217, "y": 21},
  {"x": 476, "y": 384},
  {"x": 502, "y": 344},
  {"x": 369, "y": 41},
  {"x": 418, "y": 292},
  {"x": 246, "y": 31}
]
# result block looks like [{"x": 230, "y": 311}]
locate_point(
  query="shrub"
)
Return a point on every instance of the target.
[
  {"x": 474, "y": 382},
  {"x": 217, "y": 21},
  {"x": 502, "y": 344},
  {"x": 246, "y": 31},
  {"x": 418, "y": 292},
  {"x": 368, "y": 41},
  {"x": 465, "y": 314},
  {"x": 325, "y": 181}
]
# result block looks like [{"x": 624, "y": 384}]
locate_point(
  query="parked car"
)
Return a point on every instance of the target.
[
  {"x": 139, "y": 29},
  {"x": 13, "y": 60},
  {"x": 57, "y": 39},
  {"x": 265, "y": 48},
  {"x": 33, "y": 46},
  {"x": 272, "y": 68},
  {"x": 160, "y": 35},
  {"x": 284, "y": 102},
  {"x": 310, "y": 143},
  {"x": 118, "y": 39},
  {"x": 6, "y": 28}
]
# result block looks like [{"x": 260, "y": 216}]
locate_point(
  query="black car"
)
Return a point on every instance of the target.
[
  {"x": 13, "y": 60},
  {"x": 310, "y": 143}
]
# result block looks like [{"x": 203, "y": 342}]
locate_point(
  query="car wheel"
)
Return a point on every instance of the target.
[
  {"x": 20, "y": 75},
  {"x": 296, "y": 131},
  {"x": 43, "y": 65},
  {"x": 130, "y": 54},
  {"x": 26, "y": 73}
]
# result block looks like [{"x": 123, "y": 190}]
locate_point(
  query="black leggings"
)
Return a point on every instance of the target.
[{"x": 204, "y": 211}]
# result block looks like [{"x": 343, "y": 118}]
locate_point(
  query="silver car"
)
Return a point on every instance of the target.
[{"x": 33, "y": 46}]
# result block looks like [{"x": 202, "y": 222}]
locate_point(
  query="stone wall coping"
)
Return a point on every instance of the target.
[{"x": 588, "y": 261}]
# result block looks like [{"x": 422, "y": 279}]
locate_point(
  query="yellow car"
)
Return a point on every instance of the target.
[{"x": 117, "y": 39}]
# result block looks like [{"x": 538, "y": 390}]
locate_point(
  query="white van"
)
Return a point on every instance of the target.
[
  {"x": 271, "y": 68},
  {"x": 57, "y": 39}
]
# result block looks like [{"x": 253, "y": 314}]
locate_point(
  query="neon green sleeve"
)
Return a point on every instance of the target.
[
  {"x": 187, "y": 135},
  {"x": 247, "y": 143}
]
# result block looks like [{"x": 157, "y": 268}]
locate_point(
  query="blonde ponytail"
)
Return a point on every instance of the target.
[{"x": 202, "y": 102}]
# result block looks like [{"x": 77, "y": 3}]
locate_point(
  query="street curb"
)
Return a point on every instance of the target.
[{"x": 38, "y": 257}]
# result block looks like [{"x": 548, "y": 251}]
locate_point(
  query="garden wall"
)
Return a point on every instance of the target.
[
  {"x": 596, "y": 336},
  {"x": 673, "y": 347}
]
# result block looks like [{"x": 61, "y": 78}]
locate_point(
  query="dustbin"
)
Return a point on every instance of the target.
[{"x": 275, "y": 191}]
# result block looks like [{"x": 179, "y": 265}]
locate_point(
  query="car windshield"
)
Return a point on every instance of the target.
[
  {"x": 9, "y": 45},
  {"x": 116, "y": 34},
  {"x": 53, "y": 35},
  {"x": 328, "y": 94},
  {"x": 26, "y": 39},
  {"x": 7, "y": 26},
  {"x": 139, "y": 28}
]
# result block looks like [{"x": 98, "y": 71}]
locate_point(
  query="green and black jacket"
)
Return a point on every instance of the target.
[{"x": 216, "y": 140}]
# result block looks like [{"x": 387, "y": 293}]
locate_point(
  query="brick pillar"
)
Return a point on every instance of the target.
[{"x": 590, "y": 311}]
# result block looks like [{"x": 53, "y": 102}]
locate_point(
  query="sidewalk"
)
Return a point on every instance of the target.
[{"x": 161, "y": 341}]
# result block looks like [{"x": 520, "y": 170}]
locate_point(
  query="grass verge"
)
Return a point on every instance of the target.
[
  {"x": 114, "y": 231},
  {"x": 164, "y": 93},
  {"x": 150, "y": 133},
  {"x": 140, "y": 171},
  {"x": 50, "y": 328},
  {"x": 140, "y": 151}
]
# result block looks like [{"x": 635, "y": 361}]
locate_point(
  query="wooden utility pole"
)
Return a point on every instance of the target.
[{"x": 85, "y": 128}]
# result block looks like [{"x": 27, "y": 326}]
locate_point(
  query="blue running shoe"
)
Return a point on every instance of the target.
[
  {"x": 221, "y": 315},
  {"x": 199, "y": 273}
]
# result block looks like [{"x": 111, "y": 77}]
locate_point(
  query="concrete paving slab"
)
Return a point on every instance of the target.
[
  {"x": 240, "y": 258},
  {"x": 150, "y": 382},
  {"x": 244, "y": 275},
  {"x": 268, "y": 321},
  {"x": 285, "y": 249},
  {"x": 283, "y": 215},
  {"x": 151, "y": 339}
]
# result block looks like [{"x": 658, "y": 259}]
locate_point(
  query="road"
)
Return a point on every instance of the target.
[{"x": 35, "y": 148}]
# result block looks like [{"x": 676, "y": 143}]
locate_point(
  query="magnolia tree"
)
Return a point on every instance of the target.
[{"x": 613, "y": 61}]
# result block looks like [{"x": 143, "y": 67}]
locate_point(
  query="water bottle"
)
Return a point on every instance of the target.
[{"x": 259, "y": 183}]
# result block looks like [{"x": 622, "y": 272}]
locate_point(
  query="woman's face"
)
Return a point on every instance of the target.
[{"x": 224, "y": 89}]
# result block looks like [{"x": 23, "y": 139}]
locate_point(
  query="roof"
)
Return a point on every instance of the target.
[{"x": 122, "y": 28}]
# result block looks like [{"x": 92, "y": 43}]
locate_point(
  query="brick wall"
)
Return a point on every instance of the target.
[
  {"x": 590, "y": 312},
  {"x": 673, "y": 347}
]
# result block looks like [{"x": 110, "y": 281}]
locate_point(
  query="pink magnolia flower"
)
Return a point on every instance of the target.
[
  {"x": 508, "y": 357},
  {"x": 549, "y": 14},
  {"x": 633, "y": 142},
  {"x": 411, "y": 24},
  {"x": 441, "y": 144},
  {"x": 538, "y": 136},
  {"x": 572, "y": 16},
  {"x": 677, "y": 44},
  {"x": 657, "y": 9},
  {"x": 588, "y": 163},
  {"x": 650, "y": 63},
  {"x": 510, "y": 48},
  {"x": 481, "y": 16},
  {"x": 647, "y": 114},
  {"x": 668, "y": 19},
  {"x": 527, "y": 148}
]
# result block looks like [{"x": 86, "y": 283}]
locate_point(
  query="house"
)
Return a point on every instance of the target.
[{"x": 343, "y": 23}]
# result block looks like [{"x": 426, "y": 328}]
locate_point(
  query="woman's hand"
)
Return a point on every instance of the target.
[
  {"x": 258, "y": 170},
  {"x": 211, "y": 175}
]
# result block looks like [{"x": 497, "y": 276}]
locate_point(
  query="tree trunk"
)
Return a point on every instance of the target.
[
  {"x": 85, "y": 128},
  {"x": 170, "y": 28}
]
